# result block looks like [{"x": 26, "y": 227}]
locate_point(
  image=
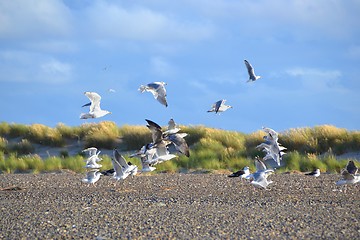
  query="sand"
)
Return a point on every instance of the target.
[{"x": 177, "y": 206}]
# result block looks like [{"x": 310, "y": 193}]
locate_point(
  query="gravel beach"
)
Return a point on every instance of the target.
[{"x": 177, "y": 206}]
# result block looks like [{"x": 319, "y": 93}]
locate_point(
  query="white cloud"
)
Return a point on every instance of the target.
[
  {"x": 34, "y": 19},
  {"x": 55, "y": 70},
  {"x": 316, "y": 79},
  {"x": 22, "y": 66},
  {"x": 161, "y": 66},
  {"x": 143, "y": 24},
  {"x": 302, "y": 18}
]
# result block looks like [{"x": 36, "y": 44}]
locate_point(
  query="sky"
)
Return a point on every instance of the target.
[{"x": 306, "y": 52}]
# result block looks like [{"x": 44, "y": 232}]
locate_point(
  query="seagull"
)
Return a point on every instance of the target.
[
  {"x": 259, "y": 178},
  {"x": 244, "y": 173},
  {"x": 314, "y": 173},
  {"x": 162, "y": 139},
  {"x": 92, "y": 177},
  {"x": 349, "y": 174},
  {"x": 146, "y": 154},
  {"x": 92, "y": 151},
  {"x": 91, "y": 161},
  {"x": 121, "y": 167},
  {"x": 157, "y": 89},
  {"x": 219, "y": 106},
  {"x": 172, "y": 127},
  {"x": 273, "y": 149},
  {"x": 95, "y": 110},
  {"x": 251, "y": 72},
  {"x": 351, "y": 168}
]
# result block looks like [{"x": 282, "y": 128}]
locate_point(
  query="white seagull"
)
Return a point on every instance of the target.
[
  {"x": 158, "y": 91},
  {"x": 92, "y": 163},
  {"x": 273, "y": 149},
  {"x": 95, "y": 110},
  {"x": 121, "y": 167},
  {"x": 349, "y": 174},
  {"x": 219, "y": 106},
  {"x": 92, "y": 151},
  {"x": 92, "y": 177},
  {"x": 244, "y": 173},
  {"x": 314, "y": 173},
  {"x": 146, "y": 155},
  {"x": 251, "y": 72},
  {"x": 259, "y": 178}
]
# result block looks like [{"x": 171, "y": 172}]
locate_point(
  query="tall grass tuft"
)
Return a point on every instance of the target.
[
  {"x": 134, "y": 137},
  {"x": 21, "y": 148},
  {"x": 3, "y": 144},
  {"x": 75, "y": 163},
  {"x": 102, "y": 135},
  {"x": 44, "y": 135},
  {"x": 18, "y": 130},
  {"x": 4, "y": 128}
]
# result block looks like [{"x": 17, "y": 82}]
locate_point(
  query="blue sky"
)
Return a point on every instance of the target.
[{"x": 307, "y": 52}]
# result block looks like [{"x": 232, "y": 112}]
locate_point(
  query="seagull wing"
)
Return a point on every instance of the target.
[
  {"x": 171, "y": 124},
  {"x": 218, "y": 104},
  {"x": 272, "y": 133},
  {"x": 346, "y": 175},
  {"x": 155, "y": 131},
  {"x": 180, "y": 144},
  {"x": 250, "y": 70},
  {"x": 161, "y": 95},
  {"x": 117, "y": 167},
  {"x": 120, "y": 159},
  {"x": 95, "y": 101},
  {"x": 351, "y": 168},
  {"x": 260, "y": 165}
]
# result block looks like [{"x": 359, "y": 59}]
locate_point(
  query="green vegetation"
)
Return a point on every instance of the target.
[{"x": 211, "y": 149}]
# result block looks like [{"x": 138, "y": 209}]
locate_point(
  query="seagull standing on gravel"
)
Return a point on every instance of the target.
[
  {"x": 244, "y": 173},
  {"x": 92, "y": 177},
  {"x": 314, "y": 173},
  {"x": 158, "y": 91},
  {"x": 251, "y": 72},
  {"x": 95, "y": 110},
  {"x": 219, "y": 106}
]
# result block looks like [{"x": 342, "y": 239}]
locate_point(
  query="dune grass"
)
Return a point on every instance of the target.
[{"x": 211, "y": 149}]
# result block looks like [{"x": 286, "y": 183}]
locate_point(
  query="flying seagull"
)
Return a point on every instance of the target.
[
  {"x": 121, "y": 167},
  {"x": 259, "y": 178},
  {"x": 158, "y": 91},
  {"x": 95, "y": 110},
  {"x": 273, "y": 149},
  {"x": 251, "y": 72},
  {"x": 219, "y": 106}
]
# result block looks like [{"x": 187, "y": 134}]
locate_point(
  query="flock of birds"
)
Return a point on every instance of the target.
[{"x": 166, "y": 143}]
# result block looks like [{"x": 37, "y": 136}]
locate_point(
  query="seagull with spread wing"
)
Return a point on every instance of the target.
[
  {"x": 219, "y": 106},
  {"x": 158, "y": 91},
  {"x": 252, "y": 76},
  {"x": 95, "y": 110}
]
